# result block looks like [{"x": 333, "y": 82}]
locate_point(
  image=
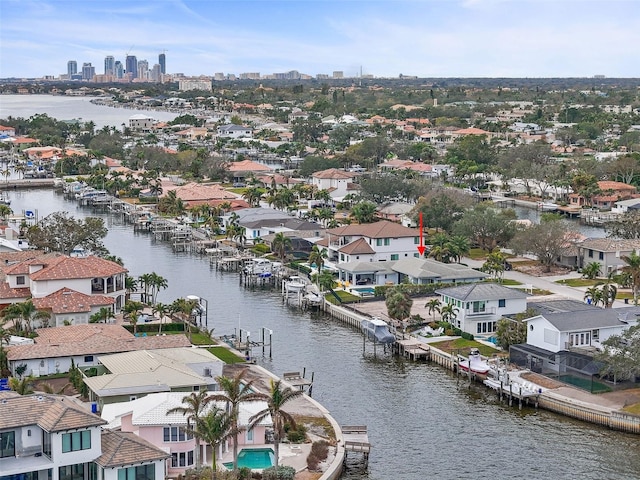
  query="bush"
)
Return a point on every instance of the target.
[
  {"x": 261, "y": 248},
  {"x": 320, "y": 449},
  {"x": 313, "y": 462},
  {"x": 467, "y": 336},
  {"x": 414, "y": 290},
  {"x": 297, "y": 435},
  {"x": 279, "y": 473},
  {"x": 153, "y": 327}
]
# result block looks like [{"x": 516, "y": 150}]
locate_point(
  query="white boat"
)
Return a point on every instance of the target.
[
  {"x": 377, "y": 330},
  {"x": 4, "y": 199},
  {"x": 294, "y": 284},
  {"x": 548, "y": 206},
  {"x": 475, "y": 363},
  {"x": 91, "y": 193},
  {"x": 261, "y": 267}
]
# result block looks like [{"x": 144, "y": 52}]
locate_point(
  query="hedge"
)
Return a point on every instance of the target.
[
  {"x": 414, "y": 290},
  {"x": 153, "y": 327}
]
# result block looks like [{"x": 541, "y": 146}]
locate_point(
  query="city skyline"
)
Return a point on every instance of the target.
[{"x": 425, "y": 38}]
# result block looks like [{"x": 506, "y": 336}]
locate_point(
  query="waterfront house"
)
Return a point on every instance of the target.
[
  {"x": 43, "y": 275},
  {"x": 565, "y": 340},
  {"x": 608, "y": 252},
  {"x": 624, "y": 206},
  {"x": 479, "y": 306},
  {"x": 68, "y": 307},
  {"x": 246, "y": 168},
  {"x": 371, "y": 242},
  {"x": 130, "y": 375},
  {"x": 141, "y": 123},
  {"x": 47, "y": 437},
  {"x": 194, "y": 194},
  {"x": 147, "y": 418},
  {"x": 55, "y": 348},
  {"x": 337, "y": 182},
  {"x": 610, "y": 193},
  {"x": 127, "y": 456},
  {"x": 234, "y": 131}
]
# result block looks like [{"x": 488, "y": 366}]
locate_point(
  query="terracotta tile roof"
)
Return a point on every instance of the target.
[
  {"x": 52, "y": 413},
  {"x": 25, "y": 140},
  {"x": 357, "y": 247},
  {"x": 63, "y": 267},
  {"x": 609, "y": 185},
  {"x": 67, "y": 300},
  {"x": 7, "y": 292},
  {"x": 334, "y": 173},
  {"x": 126, "y": 448},
  {"x": 381, "y": 229},
  {"x": 248, "y": 166},
  {"x": 91, "y": 339},
  {"x": 471, "y": 131},
  {"x": 192, "y": 192}
]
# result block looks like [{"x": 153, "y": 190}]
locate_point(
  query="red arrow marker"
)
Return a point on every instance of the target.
[{"x": 421, "y": 246}]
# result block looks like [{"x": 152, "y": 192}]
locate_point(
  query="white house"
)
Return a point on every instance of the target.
[
  {"x": 53, "y": 437},
  {"x": 338, "y": 182},
  {"x": 607, "y": 252},
  {"x": 43, "y": 275},
  {"x": 371, "y": 242},
  {"x": 479, "y": 306},
  {"x": 141, "y": 122},
  {"x": 234, "y": 131}
]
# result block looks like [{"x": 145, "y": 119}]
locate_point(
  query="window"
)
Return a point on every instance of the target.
[
  {"x": 600, "y": 255},
  {"x": 378, "y": 242},
  {"x": 147, "y": 472},
  {"x": 72, "y": 442},
  {"x": 46, "y": 443},
  {"x": 71, "y": 472},
  {"x": 20, "y": 280},
  {"x": 502, "y": 303},
  {"x": 7, "y": 444},
  {"x": 387, "y": 242},
  {"x": 394, "y": 256},
  {"x": 590, "y": 253},
  {"x": 479, "y": 307},
  {"x": 181, "y": 459},
  {"x": 416, "y": 240},
  {"x": 250, "y": 435},
  {"x": 88, "y": 359},
  {"x": 176, "y": 434}
]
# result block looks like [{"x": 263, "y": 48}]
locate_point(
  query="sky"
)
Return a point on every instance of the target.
[{"x": 385, "y": 38}]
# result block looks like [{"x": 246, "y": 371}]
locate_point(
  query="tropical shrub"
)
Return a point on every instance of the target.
[{"x": 279, "y": 473}]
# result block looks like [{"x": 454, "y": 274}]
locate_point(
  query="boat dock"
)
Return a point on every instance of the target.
[
  {"x": 356, "y": 440},
  {"x": 523, "y": 392},
  {"x": 413, "y": 349},
  {"x": 298, "y": 381}
]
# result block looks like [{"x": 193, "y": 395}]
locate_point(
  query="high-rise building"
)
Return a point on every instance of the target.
[
  {"x": 72, "y": 67},
  {"x": 156, "y": 73},
  {"x": 143, "y": 70},
  {"x": 131, "y": 66},
  {"x": 88, "y": 71},
  {"x": 338, "y": 74},
  {"x": 162, "y": 60},
  {"x": 109, "y": 65},
  {"x": 118, "y": 69}
]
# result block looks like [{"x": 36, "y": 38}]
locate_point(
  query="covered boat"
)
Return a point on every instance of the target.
[
  {"x": 377, "y": 331},
  {"x": 475, "y": 363}
]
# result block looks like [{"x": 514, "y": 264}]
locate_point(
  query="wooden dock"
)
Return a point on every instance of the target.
[
  {"x": 298, "y": 381},
  {"x": 413, "y": 349},
  {"x": 356, "y": 440}
]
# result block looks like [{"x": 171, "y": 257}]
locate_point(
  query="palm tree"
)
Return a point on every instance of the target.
[
  {"x": 131, "y": 285},
  {"x": 276, "y": 399},
  {"x": 235, "y": 391},
  {"x": 318, "y": 256},
  {"x": 214, "y": 428},
  {"x": 591, "y": 271},
  {"x": 324, "y": 280},
  {"x": 161, "y": 310},
  {"x": 632, "y": 267},
  {"x": 280, "y": 245},
  {"x": 194, "y": 408},
  {"x": 145, "y": 281},
  {"x": 449, "y": 312},
  {"x": 253, "y": 195},
  {"x": 459, "y": 247},
  {"x": 433, "y": 306},
  {"x": 5, "y": 211},
  {"x": 23, "y": 314},
  {"x": 132, "y": 311},
  {"x": 398, "y": 305},
  {"x": 22, "y": 386},
  {"x": 157, "y": 282},
  {"x": 102, "y": 315},
  {"x": 609, "y": 292},
  {"x": 595, "y": 294}
]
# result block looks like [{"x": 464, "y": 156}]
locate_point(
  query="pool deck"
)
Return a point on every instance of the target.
[{"x": 291, "y": 455}]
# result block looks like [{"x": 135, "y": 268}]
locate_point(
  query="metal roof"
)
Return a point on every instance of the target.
[{"x": 481, "y": 291}]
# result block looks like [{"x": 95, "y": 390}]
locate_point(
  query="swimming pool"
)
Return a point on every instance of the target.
[
  {"x": 254, "y": 458},
  {"x": 363, "y": 291}
]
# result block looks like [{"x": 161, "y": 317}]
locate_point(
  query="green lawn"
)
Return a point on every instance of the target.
[
  {"x": 633, "y": 409},
  {"x": 463, "y": 345},
  {"x": 477, "y": 254},
  {"x": 346, "y": 297},
  {"x": 226, "y": 355},
  {"x": 577, "y": 282},
  {"x": 508, "y": 282},
  {"x": 201, "y": 338}
]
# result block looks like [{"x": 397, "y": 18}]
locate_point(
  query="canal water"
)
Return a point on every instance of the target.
[{"x": 422, "y": 423}]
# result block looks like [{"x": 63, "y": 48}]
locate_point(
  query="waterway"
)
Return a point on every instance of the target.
[{"x": 422, "y": 423}]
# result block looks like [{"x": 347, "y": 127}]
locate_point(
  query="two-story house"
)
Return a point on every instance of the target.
[
  {"x": 234, "y": 131},
  {"x": 479, "y": 306},
  {"x": 608, "y": 252},
  {"x": 371, "y": 242},
  {"x": 337, "y": 182},
  {"x": 52, "y": 437},
  {"x": 147, "y": 417},
  {"x": 610, "y": 193},
  {"x": 43, "y": 275},
  {"x": 564, "y": 340}
]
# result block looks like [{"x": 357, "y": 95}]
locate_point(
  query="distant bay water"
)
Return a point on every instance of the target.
[{"x": 62, "y": 107}]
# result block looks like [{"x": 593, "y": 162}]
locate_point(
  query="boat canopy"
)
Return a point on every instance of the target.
[{"x": 377, "y": 331}]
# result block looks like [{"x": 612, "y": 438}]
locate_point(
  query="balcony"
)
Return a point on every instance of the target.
[{"x": 487, "y": 312}]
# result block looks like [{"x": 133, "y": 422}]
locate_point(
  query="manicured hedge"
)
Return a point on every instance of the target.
[{"x": 153, "y": 327}]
